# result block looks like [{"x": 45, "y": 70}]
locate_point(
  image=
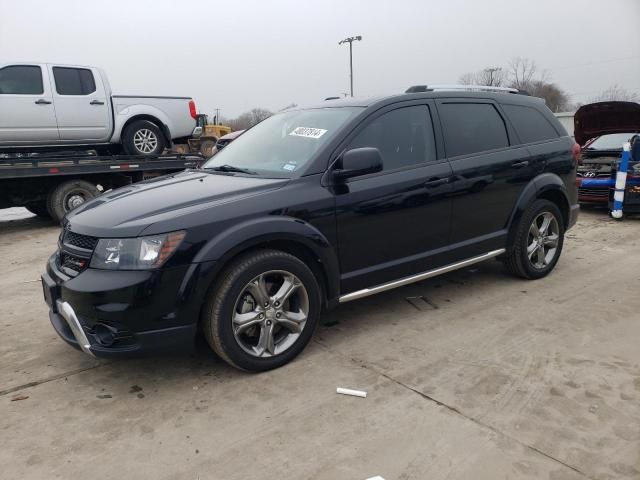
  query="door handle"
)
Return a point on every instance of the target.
[
  {"x": 436, "y": 182},
  {"x": 96, "y": 102},
  {"x": 42, "y": 101},
  {"x": 521, "y": 164}
]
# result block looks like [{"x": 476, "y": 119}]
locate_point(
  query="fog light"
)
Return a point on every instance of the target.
[{"x": 104, "y": 335}]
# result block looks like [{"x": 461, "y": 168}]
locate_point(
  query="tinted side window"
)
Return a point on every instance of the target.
[
  {"x": 403, "y": 136},
  {"x": 530, "y": 123},
  {"x": 472, "y": 127},
  {"x": 73, "y": 81},
  {"x": 21, "y": 80}
]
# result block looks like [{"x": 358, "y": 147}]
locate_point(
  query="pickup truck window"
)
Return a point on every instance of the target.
[
  {"x": 21, "y": 80},
  {"x": 74, "y": 81}
]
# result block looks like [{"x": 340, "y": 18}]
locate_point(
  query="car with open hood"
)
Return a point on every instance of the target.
[{"x": 601, "y": 129}]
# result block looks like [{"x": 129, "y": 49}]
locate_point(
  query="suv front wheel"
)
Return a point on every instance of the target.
[
  {"x": 263, "y": 311},
  {"x": 538, "y": 241}
]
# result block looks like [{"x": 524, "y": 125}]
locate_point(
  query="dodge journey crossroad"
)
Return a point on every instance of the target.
[{"x": 311, "y": 208}]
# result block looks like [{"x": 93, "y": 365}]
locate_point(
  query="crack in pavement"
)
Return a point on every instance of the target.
[
  {"x": 454, "y": 410},
  {"x": 35, "y": 383}
]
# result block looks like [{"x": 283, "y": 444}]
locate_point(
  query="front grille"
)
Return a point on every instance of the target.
[
  {"x": 72, "y": 262},
  {"x": 594, "y": 192},
  {"x": 81, "y": 241}
]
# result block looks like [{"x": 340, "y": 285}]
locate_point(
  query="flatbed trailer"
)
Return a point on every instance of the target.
[{"x": 50, "y": 185}]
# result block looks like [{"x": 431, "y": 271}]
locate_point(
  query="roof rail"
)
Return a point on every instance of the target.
[{"x": 456, "y": 87}]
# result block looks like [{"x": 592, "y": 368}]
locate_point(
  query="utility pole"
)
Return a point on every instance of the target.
[
  {"x": 492, "y": 80},
  {"x": 350, "y": 41}
]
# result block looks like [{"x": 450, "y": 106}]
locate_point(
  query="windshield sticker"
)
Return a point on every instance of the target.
[
  {"x": 308, "y": 132},
  {"x": 289, "y": 166}
]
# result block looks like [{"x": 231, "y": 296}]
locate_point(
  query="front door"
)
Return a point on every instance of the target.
[
  {"x": 390, "y": 224},
  {"x": 27, "y": 113},
  {"x": 81, "y": 104}
]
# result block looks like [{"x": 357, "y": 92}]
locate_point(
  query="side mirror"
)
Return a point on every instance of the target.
[{"x": 359, "y": 161}]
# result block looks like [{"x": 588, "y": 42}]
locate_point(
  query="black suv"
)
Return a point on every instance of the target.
[{"x": 311, "y": 208}]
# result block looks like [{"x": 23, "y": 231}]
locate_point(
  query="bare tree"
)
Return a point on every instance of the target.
[
  {"x": 617, "y": 93},
  {"x": 556, "y": 99},
  {"x": 493, "y": 76},
  {"x": 521, "y": 72},
  {"x": 467, "y": 79},
  {"x": 247, "y": 119}
]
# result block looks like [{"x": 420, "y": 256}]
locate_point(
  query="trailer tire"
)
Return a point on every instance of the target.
[
  {"x": 144, "y": 138},
  {"x": 69, "y": 195},
  {"x": 39, "y": 209}
]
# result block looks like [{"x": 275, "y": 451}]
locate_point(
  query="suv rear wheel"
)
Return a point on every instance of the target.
[
  {"x": 538, "y": 241},
  {"x": 263, "y": 311}
]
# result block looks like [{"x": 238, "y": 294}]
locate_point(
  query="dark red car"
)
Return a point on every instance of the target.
[{"x": 601, "y": 129}]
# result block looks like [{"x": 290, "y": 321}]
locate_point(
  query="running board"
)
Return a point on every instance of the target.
[{"x": 421, "y": 276}]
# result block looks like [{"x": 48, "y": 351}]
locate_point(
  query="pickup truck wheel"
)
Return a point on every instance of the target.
[
  {"x": 262, "y": 311},
  {"x": 143, "y": 137},
  {"x": 39, "y": 209},
  {"x": 69, "y": 195},
  {"x": 538, "y": 241}
]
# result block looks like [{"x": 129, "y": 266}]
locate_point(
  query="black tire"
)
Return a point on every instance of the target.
[
  {"x": 223, "y": 297},
  {"x": 69, "y": 195},
  {"x": 207, "y": 146},
  {"x": 518, "y": 261},
  {"x": 39, "y": 209},
  {"x": 133, "y": 139}
]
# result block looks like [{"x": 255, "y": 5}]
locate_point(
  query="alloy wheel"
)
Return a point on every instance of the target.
[
  {"x": 542, "y": 240},
  {"x": 145, "y": 140},
  {"x": 270, "y": 313}
]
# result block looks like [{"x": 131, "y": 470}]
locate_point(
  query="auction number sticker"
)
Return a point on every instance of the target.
[{"x": 308, "y": 132}]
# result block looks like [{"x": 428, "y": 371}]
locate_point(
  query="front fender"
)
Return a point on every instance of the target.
[
  {"x": 125, "y": 112},
  {"x": 251, "y": 233}
]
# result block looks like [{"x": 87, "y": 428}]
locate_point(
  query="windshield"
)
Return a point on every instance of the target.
[
  {"x": 612, "y": 141},
  {"x": 283, "y": 144}
]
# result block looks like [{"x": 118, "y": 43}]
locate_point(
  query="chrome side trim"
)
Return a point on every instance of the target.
[
  {"x": 66, "y": 311},
  {"x": 421, "y": 276}
]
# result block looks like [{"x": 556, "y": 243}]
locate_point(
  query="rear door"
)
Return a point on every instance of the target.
[
  {"x": 27, "y": 113},
  {"x": 490, "y": 172},
  {"x": 81, "y": 104},
  {"x": 390, "y": 224}
]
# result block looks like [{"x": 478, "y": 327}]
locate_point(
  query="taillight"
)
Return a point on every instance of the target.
[
  {"x": 192, "y": 109},
  {"x": 577, "y": 154}
]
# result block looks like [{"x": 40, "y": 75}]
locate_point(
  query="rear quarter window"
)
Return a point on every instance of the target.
[
  {"x": 472, "y": 128},
  {"x": 530, "y": 124}
]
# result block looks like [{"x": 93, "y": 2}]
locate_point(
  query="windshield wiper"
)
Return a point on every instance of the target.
[{"x": 231, "y": 168}]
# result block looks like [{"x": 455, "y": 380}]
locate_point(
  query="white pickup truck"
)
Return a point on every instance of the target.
[{"x": 49, "y": 105}]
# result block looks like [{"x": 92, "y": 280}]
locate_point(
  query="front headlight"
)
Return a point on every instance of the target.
[{"x": 140, "y": 253}]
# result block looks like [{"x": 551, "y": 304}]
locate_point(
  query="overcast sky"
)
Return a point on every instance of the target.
[{"x": 235, "y": 55}]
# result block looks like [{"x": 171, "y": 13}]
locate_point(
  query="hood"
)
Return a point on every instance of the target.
[
  {"x": 602, "y": 118},
  {"x": 130, "y": 210}
]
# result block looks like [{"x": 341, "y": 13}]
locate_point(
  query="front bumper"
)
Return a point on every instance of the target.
[{"x": 112, "y": 314}]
